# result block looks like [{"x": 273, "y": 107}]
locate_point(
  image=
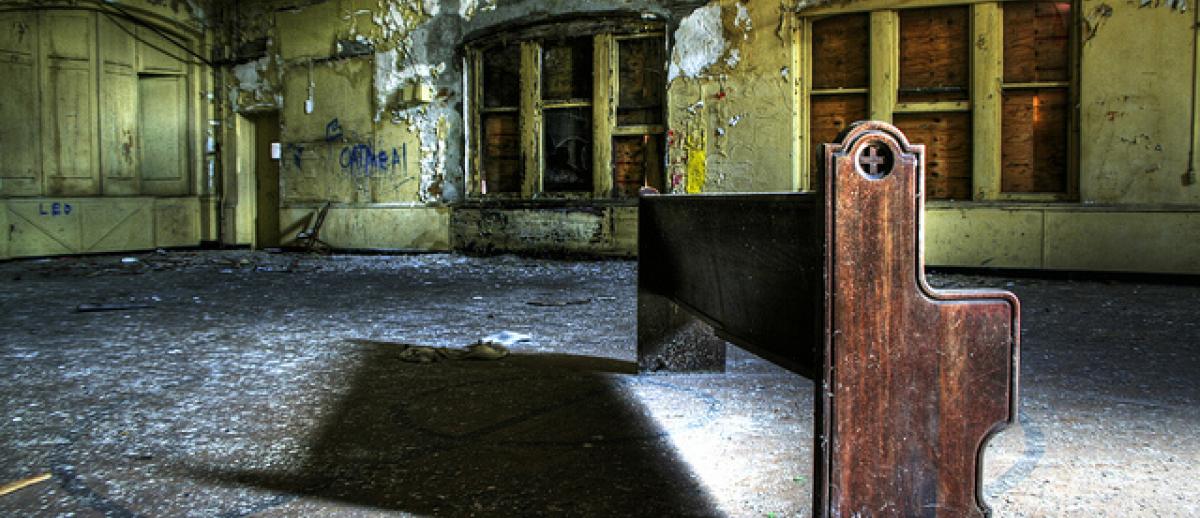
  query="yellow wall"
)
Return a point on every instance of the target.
[
  {"x": 1138, "y": 205},
  {"x": 391, "y": 164},
  {"x": 79, "y": 128}
]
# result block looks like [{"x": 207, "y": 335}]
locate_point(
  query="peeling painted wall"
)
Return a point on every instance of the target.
[{"x": 731, "y": 99}]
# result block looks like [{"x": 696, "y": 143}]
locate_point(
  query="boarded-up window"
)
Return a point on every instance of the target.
[
  {"x": 840, "y": 77},
  {"x": 501, "y": 152},
  {"x": 637, "y": 153},
  {"x": 503, "y": 170},
  {"x": 641, "y": 86},
  {"x": 841, "y": 52},
  {"x": 637, "y": 163},
  {"x": 935, "y": 74},
  {"x": 1036, "y": 117},
  {"x": 947, "y": 139},
  {"x": 567, "y": 69},
  {"x": 829, "y": 115},
  {"x": 549, "y": 123},
  {"x": 935, "y": 54}
]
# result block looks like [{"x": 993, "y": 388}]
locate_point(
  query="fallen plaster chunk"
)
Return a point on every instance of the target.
[{"x": 699, "y": 43}]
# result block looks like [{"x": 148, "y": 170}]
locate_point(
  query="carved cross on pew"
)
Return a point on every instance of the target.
[{"x": 910, "y": 381}]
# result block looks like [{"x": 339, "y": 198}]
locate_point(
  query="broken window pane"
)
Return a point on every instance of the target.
[
  {"x": 641, "y": 81},
  {"x": 567, "y": 69},
  {"x": 637, "y": 163},
  {"x": 501, "y": 68},
  {"x": 502, "y": 168},
  {"x": 935, "y": 55},
  {"x": 841, "y": 51},
  {"x": 567, "y": 150}
]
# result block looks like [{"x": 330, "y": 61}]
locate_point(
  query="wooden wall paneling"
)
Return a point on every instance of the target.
[
  {"x": 20, "y": 114},
  {"x": 163, "y": 141},
  {"x": 69, "y": 112},
  {"x": 119, "y": 148}
]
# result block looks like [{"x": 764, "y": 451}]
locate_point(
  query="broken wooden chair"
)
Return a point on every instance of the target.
[{"x": 911, "y": 382}]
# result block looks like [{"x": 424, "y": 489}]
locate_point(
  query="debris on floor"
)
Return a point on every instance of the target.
[
  {"x": 98, "y": 308},
  {"x": 23, "y": 483},
  {"x": 558, "y": 303},
  {"x": 506, "y": 338},
  {"x": 430, "y": 354}
]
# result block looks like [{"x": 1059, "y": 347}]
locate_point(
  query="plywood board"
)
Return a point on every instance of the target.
[
  {"x": 641, "y": 81},
  {"x": 501, "y": 161},
  {"x": 1034, "y": 148},
  {"x": 841, "y": 51},
  {"x": 1037, "y": 37},
  {"x": 935, "y": 59},
  {"x": 830, "y": 114},
  {"x": 947, "y": 139},
  {"x": 637, "y": 162},
  {"x": 43, "y": 227}
]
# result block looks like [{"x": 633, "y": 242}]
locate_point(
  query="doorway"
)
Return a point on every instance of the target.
[{"x": 266, "y": 179}]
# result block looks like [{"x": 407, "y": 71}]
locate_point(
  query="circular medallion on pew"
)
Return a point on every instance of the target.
[{"x": 875, "y": 160}]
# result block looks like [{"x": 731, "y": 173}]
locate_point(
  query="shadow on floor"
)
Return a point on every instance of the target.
[{"x": 530, "y": 434}]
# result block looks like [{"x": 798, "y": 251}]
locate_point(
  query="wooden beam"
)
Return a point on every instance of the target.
[
  {"x": 885, "y": 64},
  {"x": 987, "y": 65},
  {"x": 531, "y": 117},
  {"x": 604, "y": 112}
]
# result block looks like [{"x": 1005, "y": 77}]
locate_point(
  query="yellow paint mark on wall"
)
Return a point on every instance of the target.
[{"x": 696, "y": 169}]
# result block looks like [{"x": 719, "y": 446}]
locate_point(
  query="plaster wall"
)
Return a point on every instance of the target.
[{"x": 1136, "y": 97}]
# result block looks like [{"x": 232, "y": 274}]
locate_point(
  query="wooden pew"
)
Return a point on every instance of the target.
[{"x": 911, "y": 382}]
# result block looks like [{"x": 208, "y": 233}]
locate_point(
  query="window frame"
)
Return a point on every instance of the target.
[
  {"x": 606, "y": 38},
  {"x": 985, "y": 98}
]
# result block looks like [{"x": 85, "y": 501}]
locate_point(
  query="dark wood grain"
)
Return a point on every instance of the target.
[
  {"x": 916, "y": 379},
  {"x": 911, "y": 381}
]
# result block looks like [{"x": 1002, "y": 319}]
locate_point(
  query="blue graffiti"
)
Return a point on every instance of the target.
[
  {"x": 333, "y": 131},
  {"x": 297, "y": 155},
  {"x": 364, "y": 160},
  {"x": 56, "y": 209}
]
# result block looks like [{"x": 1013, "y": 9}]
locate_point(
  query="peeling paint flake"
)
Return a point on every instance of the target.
[{"x": 699, "y": 43}]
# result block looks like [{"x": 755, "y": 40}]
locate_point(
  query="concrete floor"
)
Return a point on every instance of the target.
[{"x": 271, "y": 385}]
